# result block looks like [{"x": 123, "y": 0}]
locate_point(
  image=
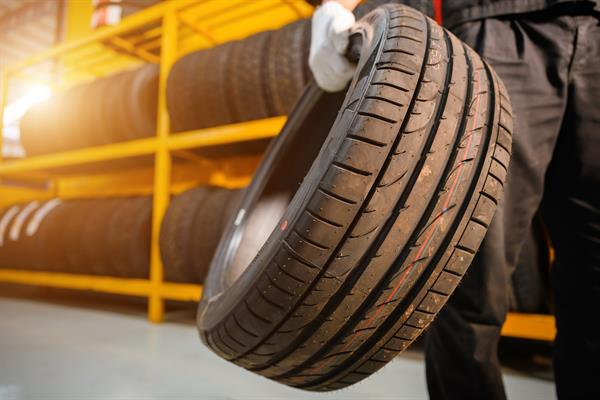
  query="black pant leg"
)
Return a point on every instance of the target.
[
  {"x": 461, "y": 347},
  {"x": 572, "y": 210}
]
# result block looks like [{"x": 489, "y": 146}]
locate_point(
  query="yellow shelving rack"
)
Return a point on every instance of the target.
[
  {"x": 161, "y": 34},
  {"x": 153, "y": 35}
]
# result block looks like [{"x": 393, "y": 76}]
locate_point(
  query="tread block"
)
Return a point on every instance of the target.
[
  {"x": 473, "y": 235},
  {"x": 432, "y": 303},
  {"x": 446, "y": 283},
  {"x": 408, "y": 332},
  {"x": 484, "y": 210},
  {"x": 459, "y": 261},
  {"x": 420, "y": 319}
]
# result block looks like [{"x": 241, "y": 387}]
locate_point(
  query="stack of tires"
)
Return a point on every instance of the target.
[
  {"x": 111, "y": 236},
  {"x": 111, "y": 109},
  {"x": 86, "y": 236},
  {"x": 191, "y": 230},
  {"x": 258, "y": 77}
]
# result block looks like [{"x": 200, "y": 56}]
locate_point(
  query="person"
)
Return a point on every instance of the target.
[{"x": 547, "y": 52}]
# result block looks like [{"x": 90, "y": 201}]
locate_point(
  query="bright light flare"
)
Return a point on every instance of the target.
[{"x": 15, "y": 110}]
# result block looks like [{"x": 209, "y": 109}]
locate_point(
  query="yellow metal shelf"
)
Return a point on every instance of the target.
[
  {"x": 530, "y": 326},
  {"x": 132, "y": 287},
  {"x": 159, "y": 34},
  {"x": 221, "y": 135}
]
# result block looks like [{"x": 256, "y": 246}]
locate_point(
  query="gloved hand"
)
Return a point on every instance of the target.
[{"x": 331, "y": 24}]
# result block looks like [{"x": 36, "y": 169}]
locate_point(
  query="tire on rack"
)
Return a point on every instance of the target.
[
  {"x": 191, "y": 230},
  {"x": 207, "y": 229},
  {"x": 249, "y": 89},
  {"x": 25, "y": 253},
  {"x": 36, "y": 230},
  {"x": 94, "y": 237},
  {"x": 214, "y": 87},
  {"x": 49, "y": 235},
  {"x": 373, "y": 224},
  {"x": 142, "y": 99},
  {"x": 176, "y": 242},
  {"x": 129, "y": 238},
  {"x": 14, "y": 239},
  {"x": 7, "y": 218},
  {"x": 71, "y": 249},
  {"x": 287, "y": 53}
]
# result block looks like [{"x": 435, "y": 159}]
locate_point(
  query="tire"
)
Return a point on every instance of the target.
[
  {"x": 180, "y": 93},
  {"x": 115, "y": 107},
  {"x": 94, "y": 238},
  {"x": 47, "y": 238},
  {"x": 286, "y": 76},
  {"x": 7, "y": 219},
  {"x": 71, "y": 244},
  {"x": 176, "y": 242},
  {"x": 424, "y": 6},
  {"x": 129, "y": 238},
  {"x": 143, "y": 100},
  {"x": 39, "y": 134},
  {"x": 16, "y": 238},
  {"x": 101, "y": 118},
  {"x": 60, "y": 246},
  {"x": 207, "y": 230},
  {"x": 215, "y": 87},
  {"x": 36, "y": 232},
  {"x": 248, "y": 80},
  {"x": 380, "y": 217},
  {"x": 23, "y": 246},
  {"x": 191, "y": 230}
]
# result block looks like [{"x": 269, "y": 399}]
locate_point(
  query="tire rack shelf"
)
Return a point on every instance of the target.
[{"x": 171, "y": 18}]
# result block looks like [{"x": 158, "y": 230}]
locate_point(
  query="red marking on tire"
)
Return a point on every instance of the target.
[{"x": 284, "y": 225}]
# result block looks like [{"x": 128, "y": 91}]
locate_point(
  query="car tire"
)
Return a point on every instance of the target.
[{"x": 374, "y": 217}]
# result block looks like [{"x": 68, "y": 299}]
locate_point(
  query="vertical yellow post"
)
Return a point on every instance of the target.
[
  {"x": 3, "y": 99},
  {"x": 162, "y": 164}
]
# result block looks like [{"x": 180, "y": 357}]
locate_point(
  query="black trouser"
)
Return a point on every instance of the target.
[{"x": 550, "y": 63}]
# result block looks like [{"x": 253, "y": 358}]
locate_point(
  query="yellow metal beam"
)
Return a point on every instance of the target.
[
  {"x": 190, "y": 23},
  {"x": 83, "y": 156},
  {"x": 162, "y": 164},
  {"x": 131, "y": 49},
  {"x": 226, "y": 134},
  {"x": 132, "y": 287},
  {"x": 530, "y": 326}
]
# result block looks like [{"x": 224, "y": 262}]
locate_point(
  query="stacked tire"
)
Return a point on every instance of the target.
[
  {"x": 383, "y": 196},
  {"x": 191, "y": 230},
  {"x": 88, "y": 236},
  {"x": 111, "y": 109},
  {"x": 258, "y": 77},
  {"x": 112, "y": 236}
]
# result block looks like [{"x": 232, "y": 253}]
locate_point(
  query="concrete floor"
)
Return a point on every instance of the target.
[{"x": 57, "y": 346}]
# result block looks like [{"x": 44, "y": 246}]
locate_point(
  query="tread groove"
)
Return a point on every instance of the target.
[
  {"x": 323, "y": 219},
  {"x": 337, "y": 196},
  {"x": 351, "y": 169}
]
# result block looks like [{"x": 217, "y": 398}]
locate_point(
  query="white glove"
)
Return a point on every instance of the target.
[{"x": 331, "y": 25}]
